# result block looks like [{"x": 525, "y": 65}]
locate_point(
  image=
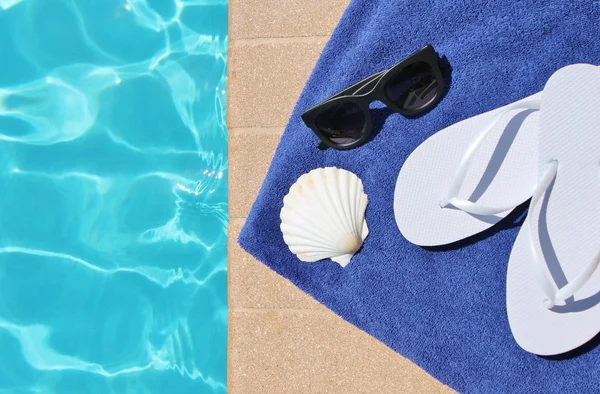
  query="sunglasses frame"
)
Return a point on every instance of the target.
[{"x": 372, "y": 89}]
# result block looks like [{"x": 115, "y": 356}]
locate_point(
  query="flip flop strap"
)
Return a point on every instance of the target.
[
  {"x": 543, "y": 274},
  {"x": 466, "y": 161}
]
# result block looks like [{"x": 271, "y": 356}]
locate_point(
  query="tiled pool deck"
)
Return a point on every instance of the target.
[{"x": 280, "y": 339}]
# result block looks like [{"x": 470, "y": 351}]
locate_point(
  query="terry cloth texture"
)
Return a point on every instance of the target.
[{"x": 442, "y": 308}]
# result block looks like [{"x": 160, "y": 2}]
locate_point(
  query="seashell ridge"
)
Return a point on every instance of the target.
[{"x": 323, "y": 216}]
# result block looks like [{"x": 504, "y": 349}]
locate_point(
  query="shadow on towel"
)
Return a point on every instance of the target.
[{"x": 514, "y": 219}]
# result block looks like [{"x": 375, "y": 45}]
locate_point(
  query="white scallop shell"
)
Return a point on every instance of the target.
[{"x": 323, "y": 216}]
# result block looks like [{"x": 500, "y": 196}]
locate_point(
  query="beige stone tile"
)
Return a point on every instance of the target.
[
  {"x": 254, "y": 285},
  {"x": 315, "y": 352},
  {"x": 250, "y": 154},
  {"x": 266, "y": 78},
  {"x": 283, "y": 18},
  {"x": 294, "y": 344}
]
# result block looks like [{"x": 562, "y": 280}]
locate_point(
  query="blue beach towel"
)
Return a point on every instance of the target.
[{"x": 442, "y": 308}]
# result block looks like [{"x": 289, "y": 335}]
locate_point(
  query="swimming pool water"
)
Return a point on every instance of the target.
[{"x": 113, "y": 196}]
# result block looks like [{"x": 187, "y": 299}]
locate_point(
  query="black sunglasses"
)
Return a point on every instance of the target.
[{"x": 410, "y": 87}]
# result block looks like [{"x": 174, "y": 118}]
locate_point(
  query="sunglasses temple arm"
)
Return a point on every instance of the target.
[
  {"x": 353, "y": 89},
  {"x": 358, "y": 86}
]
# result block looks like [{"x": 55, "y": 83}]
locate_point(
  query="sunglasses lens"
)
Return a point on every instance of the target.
[
  {"x": 342, "y": 124},
  {"x": 413, "y": 87}
]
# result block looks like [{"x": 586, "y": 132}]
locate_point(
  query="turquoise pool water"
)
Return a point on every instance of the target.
[{"x": 113, "y": 196}]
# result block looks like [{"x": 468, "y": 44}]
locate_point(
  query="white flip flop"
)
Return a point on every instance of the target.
[
  {"x": 469, "y": 176},
  {"x": 553, "y": 284}
]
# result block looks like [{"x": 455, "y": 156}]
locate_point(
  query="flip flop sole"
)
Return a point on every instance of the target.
[
  {"x": 562, "y": 231},
  {"x": 504, "y": 168},
  {"x": 535, "y": 328}
]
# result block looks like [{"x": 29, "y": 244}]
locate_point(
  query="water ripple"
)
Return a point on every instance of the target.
[
  {"x": 161, "y": 277},
  {"x": 34, "y": 341},
  {"x": 6, "y": 4},
  {"x": 113, "y": 196}
]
